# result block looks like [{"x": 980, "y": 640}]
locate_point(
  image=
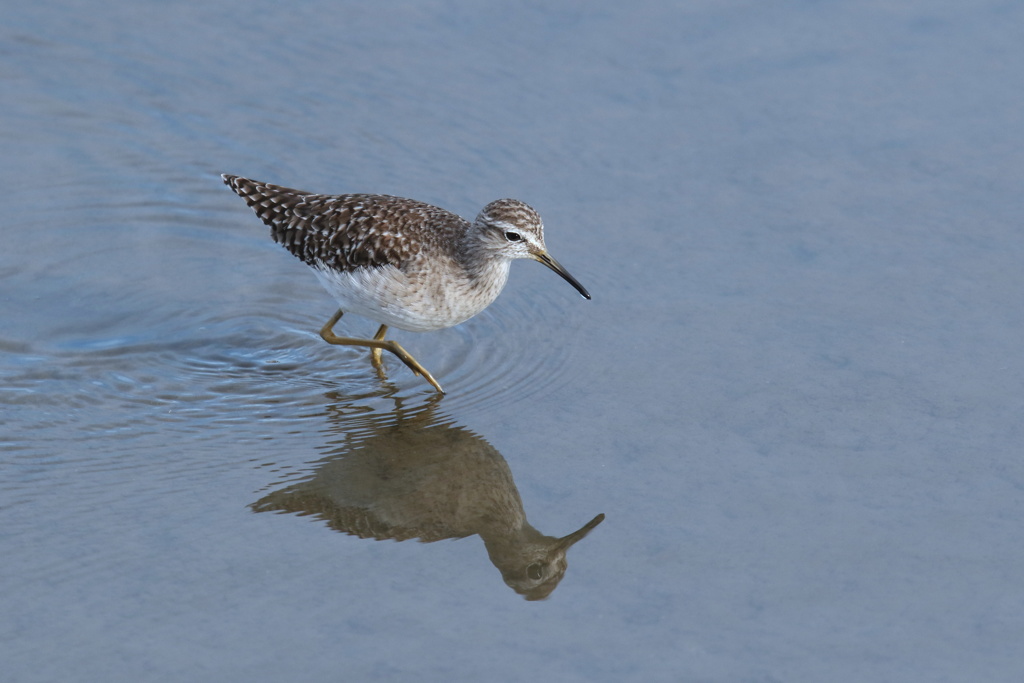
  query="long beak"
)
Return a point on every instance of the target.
[
  {"x": 566, "y": 541},
  {"x": 549, "y": 261}
]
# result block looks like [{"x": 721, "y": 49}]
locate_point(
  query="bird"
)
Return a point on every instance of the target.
[
  {"x": 414, "y": 474},
  {"x": 400, "y": 262}
]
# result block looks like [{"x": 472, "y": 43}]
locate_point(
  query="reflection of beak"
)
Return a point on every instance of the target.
[
  {"x": 565, "y": 542},
  {"x": 545, "y": 258}
]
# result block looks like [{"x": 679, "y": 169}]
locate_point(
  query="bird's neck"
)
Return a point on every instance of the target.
[{"x": 480, "y": 262}]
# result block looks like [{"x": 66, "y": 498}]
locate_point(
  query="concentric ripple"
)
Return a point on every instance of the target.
[
  {"x": 213, "y": 379},
  {"x": 509, "y": 355},
  {"x": 519, "y": 347}
]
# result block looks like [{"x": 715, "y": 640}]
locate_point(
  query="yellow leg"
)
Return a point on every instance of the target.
[
  {"x": 377, "y": 344},
  {"x": 376, "y": 355}
]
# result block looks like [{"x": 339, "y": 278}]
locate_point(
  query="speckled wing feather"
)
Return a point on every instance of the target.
[
  {"x": 355, "y": 521},
  {"x": 349, "y": 231}
]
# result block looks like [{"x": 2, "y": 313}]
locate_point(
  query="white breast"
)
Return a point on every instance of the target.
[{"x": 418, "y": 302}]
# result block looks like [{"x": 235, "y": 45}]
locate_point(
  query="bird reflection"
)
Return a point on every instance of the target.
[{"x": 417, "y": 475}]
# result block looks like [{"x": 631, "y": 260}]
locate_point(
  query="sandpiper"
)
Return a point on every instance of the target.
[{"x": 400, "y": 262}]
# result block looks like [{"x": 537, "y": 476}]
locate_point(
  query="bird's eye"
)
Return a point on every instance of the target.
[
  {"x": 535, "y": 571},
  {"x": 513, "y": 236}
]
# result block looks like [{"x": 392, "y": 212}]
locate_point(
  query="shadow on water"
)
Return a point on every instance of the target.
[{"x": 415, "y": 474}]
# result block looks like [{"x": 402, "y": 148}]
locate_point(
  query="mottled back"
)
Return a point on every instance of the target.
[{"x": 350, "y": 231}]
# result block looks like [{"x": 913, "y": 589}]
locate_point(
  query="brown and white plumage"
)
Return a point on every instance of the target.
[{"x": 398, "y": 261}]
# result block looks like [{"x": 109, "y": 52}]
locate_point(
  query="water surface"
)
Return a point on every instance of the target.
[{"x": 795, "y": 396}]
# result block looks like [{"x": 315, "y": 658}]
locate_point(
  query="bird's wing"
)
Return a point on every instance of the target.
[{"x": 346, "y": 232}]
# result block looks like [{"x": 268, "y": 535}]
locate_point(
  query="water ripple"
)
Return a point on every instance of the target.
[{"x": 249, "y": 368}]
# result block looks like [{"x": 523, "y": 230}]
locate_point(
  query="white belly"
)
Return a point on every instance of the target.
[{"x": 416, "y": 302}]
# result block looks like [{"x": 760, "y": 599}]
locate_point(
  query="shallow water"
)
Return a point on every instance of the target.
[{"x": 795, "y": 395}]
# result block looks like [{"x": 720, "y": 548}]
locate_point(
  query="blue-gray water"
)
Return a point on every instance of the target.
[{"x": 796, "y": 394}]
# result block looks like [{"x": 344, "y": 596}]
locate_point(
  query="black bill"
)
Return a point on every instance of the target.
[{"x": 554, "y": 265}]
